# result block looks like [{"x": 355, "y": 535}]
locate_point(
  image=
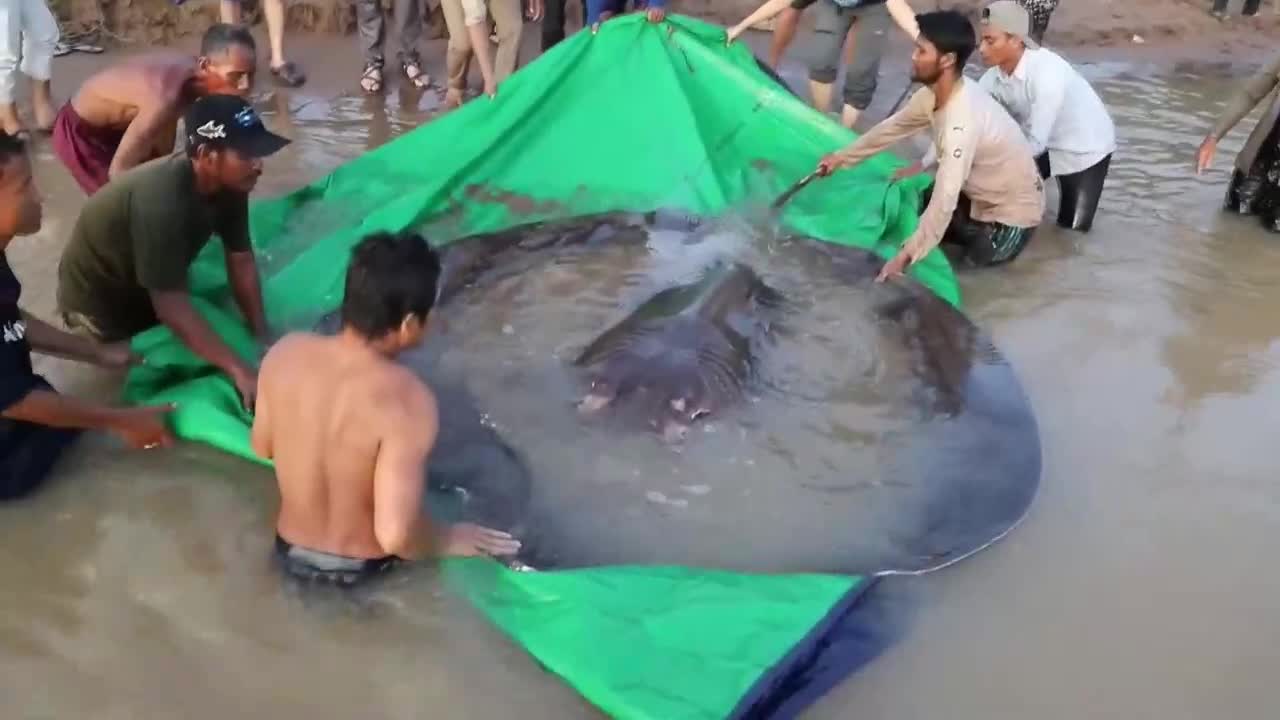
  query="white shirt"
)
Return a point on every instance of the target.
[{"x": 1057, "y": 109}]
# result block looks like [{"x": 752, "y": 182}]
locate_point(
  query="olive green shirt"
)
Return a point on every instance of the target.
[{"x": 139, "y": 234}]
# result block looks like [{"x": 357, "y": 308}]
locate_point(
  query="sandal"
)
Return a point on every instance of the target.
[
  {"x": 371, "y": 79},
  {"x": 288, "y": 75},
  {"x": 413, "y": 71}
]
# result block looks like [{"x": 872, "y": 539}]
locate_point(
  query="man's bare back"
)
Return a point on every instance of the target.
[
  {"x": 127, "y": 114},
  {"x": 349, "y": 431}
]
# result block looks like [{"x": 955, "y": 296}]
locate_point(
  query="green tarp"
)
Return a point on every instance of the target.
[{"x": 638, "y": 117}]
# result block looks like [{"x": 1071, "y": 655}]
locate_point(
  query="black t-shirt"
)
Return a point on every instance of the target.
[{"x": 16, "y": 376}]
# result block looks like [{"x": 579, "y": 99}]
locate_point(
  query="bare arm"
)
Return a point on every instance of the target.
[
  {"x": 902, "y": 14},
  {"x": 141, "y": 137},
  {"x": 175, "y": 310},
  {"x": 242, "y": 270},
  {"x": 399, "y": 474},
  {"x": 44, "y": 407},
  {"x": 767, "y": 11},
  {"x": 49, "y": 340}
]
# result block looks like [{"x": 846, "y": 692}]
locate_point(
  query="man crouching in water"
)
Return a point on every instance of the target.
[{"x": 350, "y": 430}]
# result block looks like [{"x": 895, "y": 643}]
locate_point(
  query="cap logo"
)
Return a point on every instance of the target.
[
  {"x": 212, "y": 131},
  {"x": 247, "y": 118}
]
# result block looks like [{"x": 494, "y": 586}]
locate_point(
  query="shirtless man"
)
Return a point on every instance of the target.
[
  {"x": 128, "y": 114},
  {"x": 349, "y": 430}
]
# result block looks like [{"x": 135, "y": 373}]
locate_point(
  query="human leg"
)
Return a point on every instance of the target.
[
  {"x": 458, "y": 52},
  {"x": 10, "y": 50},
  {"x": 408, "y": 19},
  {"x": 40, "y": 37},
  {"x": 831, "y": 24},
  {"x": 1079, "y": 194},
  {"x": 371, "y": 27},
  {"x": 863, "y": 74},
  {"x": 508, "y": 20},
  {"x": 553, "y": 24}
]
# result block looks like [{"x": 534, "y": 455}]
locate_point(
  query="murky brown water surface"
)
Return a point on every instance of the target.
[{"x": 137, "y": 586}]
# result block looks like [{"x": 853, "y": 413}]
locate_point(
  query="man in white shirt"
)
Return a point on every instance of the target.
[
  {"x": 1070, "y": 130},
  {"x": 987, "y": 196}
]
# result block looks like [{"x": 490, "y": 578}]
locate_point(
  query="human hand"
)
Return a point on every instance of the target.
[
  {"x": 490, "y": 89},
  {"x": 469, "y": 540},
  {"x": 116, "y": 355},
  {"x": 1205, "y": 155},
  {"x": 537, "y": 8},
  {"x": 829, "y": 164},
  {"x": 733, "y": 34},
  {"x": 895, "y": 267},
  {"x": 144, "y": 428},
  {"x": 656, "y": 14},
  {"x": 246, "y": 382}
]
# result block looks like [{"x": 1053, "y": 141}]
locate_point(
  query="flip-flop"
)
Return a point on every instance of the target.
[{"x": 65, "y": 48}]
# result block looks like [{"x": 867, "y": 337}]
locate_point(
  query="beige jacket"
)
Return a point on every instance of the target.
[{"x": 1264, "y": 85}]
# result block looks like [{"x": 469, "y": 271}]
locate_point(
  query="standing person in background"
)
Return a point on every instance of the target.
[
  {"x": 468, "y": 24},
  {"x": 284, "y": 71},
  {"x": 785, "y": 31},
  {"x": 869, "y": 20},
  {"x": 1070, "y": 131},
  {"x": 600, "y": 10},
  {"x": 1250, "y": 8},
  {"x": 1255, "y": 183},
  {"x": 28, "y": 31},
  {"x": 36, "y": 423},
  {"x": 372, "y": 24},
  {"x": 1040, "y": 10},
  {"x": 554, "y": 22}
]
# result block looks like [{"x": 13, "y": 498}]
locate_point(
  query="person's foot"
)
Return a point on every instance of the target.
[
  {"x": 10, "y": 122},
  {"x": 288, "y": 74},
  {"x": 453, "y": 99},
  {"x": 371, "y": 79}
]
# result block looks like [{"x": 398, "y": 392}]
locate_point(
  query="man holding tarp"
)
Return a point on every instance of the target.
[
  {"x": 987, "y": 194},
  {"x": 125, "y": 268}
]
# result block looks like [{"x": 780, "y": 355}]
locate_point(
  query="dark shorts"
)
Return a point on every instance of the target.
[
  {"x": 28, "y": 453},
  {"x": 981, "y": 243},
  {"x": 314, "y": 566},
  {"x": 1079, "y": 192},
  {"x": 86, "y": 150}
]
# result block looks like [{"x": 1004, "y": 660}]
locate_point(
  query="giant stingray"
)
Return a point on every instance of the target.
[{"x": 974, "y": 454}]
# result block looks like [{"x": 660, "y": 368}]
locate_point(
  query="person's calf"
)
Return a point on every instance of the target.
[{"x": 9, "y": 120}]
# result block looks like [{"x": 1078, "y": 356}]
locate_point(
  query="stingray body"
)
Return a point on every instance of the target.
[{"x": 688, "y": 351}]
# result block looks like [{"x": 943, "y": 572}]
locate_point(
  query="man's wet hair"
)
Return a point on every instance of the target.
[
  {"x": 950, "y": 32},
  {"x": 391, "y": 276},
  {"x": 222, "y": 36},
  {"x": 11, "y": 146}
]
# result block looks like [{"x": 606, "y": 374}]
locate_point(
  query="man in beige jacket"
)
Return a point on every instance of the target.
[{"x": 1255, "y": 184}]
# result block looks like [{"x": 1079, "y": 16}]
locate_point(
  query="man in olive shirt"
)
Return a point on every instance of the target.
[{"x": 125, "y": 267}]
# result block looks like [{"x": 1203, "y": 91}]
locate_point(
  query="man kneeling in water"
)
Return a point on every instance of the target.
[{"x": 350, "y": 430}]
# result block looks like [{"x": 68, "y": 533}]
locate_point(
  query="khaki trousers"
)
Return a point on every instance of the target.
[{"x": 508, "y": 18}]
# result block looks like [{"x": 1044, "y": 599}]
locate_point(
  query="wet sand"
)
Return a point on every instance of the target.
[{"x": 1138, "y": 587}]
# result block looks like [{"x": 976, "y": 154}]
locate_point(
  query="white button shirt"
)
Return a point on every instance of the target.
[{"x": 1057, "y": 109}]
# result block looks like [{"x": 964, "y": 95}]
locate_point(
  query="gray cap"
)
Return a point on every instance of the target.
[{"x": 1008, "y": 16}]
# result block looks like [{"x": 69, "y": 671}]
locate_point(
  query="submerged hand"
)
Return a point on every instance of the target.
[
  {"x": 1205, "y": 155},
  {"x": 468, "y": 540},
  {"x": 895, "y": 267}
]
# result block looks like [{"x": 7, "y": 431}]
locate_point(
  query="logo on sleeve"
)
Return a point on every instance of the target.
[{"x": 14, "y": 331}]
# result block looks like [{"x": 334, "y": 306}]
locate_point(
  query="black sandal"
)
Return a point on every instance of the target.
[
  {"x": 413, "y": 71},
  {"x": 371, "y": 79}
]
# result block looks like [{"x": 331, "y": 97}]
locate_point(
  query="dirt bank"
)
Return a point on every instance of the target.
[{"x": 1165, "y": 24}]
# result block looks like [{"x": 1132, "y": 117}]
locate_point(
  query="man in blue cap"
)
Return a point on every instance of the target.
[{"x": 125, "y": 267}]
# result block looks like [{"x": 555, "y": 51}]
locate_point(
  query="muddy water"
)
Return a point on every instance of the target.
[{"x": 136, "y": 586}]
